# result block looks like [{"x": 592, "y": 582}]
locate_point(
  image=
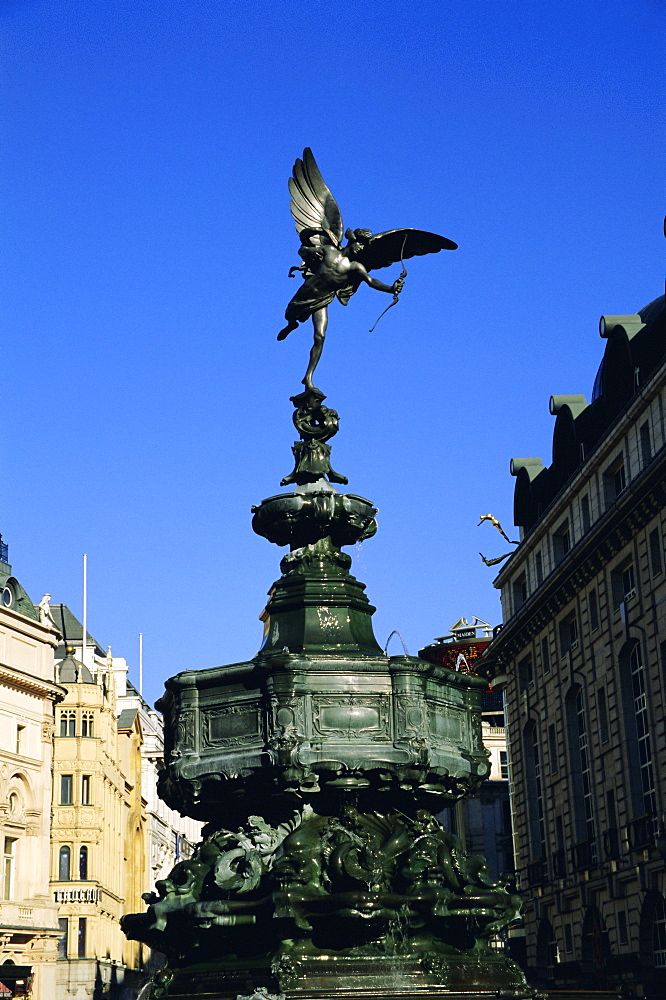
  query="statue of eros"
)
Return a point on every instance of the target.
[{"x": 331, "y": 270}]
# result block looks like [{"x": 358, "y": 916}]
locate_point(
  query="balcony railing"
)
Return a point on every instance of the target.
[
  {"x": 4, "y": 551},
  {"x": 612, "y": 844},
  {"x": 537, "y": 872},
  {"x": 641, "y": 832},
  {"x": 584, "y": 855},
  {"x": 559, "y": 864}
]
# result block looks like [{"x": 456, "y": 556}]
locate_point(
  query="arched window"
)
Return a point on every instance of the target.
[
  {"x": 64, "y": 864},
  {"x": 68, "y": 723},
  {"x": 594, "y": 948},
  {"x": 652, "y": 939},
  {"x": 659, "y": 934},
  {"x": 534, "y": 791},
  {"x": 581, "y": 778},
  {"x": 83, "y": 864},
  {"x": 639, "y": 744},
  {"x": 546, "y": 956}
]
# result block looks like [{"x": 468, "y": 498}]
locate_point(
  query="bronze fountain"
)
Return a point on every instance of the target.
[{"x": 320, "y": 763}]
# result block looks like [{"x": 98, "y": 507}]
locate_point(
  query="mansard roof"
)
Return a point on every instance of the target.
[
  {"x": 71, "y": 630},
  {"x": 635, "y": 347}
]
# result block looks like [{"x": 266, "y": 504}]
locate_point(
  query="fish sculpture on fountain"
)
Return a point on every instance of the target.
[{"x": 320, "y": 764}]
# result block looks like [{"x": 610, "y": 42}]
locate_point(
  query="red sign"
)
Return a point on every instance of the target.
[{"x": 5, "y": 991}]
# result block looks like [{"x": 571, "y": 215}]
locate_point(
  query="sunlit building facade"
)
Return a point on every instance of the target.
[
  {"x": 28, "y": 692},
  {"x": 112, "y": 838},
  {"x": 98, "y": 855}
]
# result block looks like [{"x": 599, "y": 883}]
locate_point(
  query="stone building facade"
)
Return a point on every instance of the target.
[
  {"x": 111, "y": 836},
  {"x": 28, "y": 692},
  {"x": 98, "y": 832},
  {"x": 170, "y": 836},
  {"x": 582, "y": 661}
]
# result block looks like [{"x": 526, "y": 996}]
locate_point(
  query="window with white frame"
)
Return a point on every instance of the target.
[{"x": 9, "y": 868}]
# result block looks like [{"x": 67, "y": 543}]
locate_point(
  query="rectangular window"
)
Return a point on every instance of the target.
[
  {"x": 85, "y": 790},
  {"x": 628, "y": 582},
  {"x": 656, "y": 553},
  {"x": 9, "y": 868},
  {"x": 559, "y": 833},
  {"x": 66, "y": 783},
  {"x": 538, "y": 563},
  {"x": 81, "y": 938},
  {"x": 593, "y": 609},
  {"x": 612, "y": 845},
  {"x": 545, "y": 655},
  {"x": 568, "y": 634},
  {"x": 623, "y": 583},
  {"x": 519, "y": 588},
  {"x": 63, "y": 924},
  {"x": 585, "y": 512},
  {"x": 20, "y": 730},
  {"x": 602, "y": 712},
  {"x": 622, "y": 936},
  {"x": 646, "y": 446},
  {"x": 552, "y": 750},
  {"x": 561, "y": 542},
  {"x": 504, "y": 765},
  {"x": 525, "y": 673},
  {"x": 615, "y": 481},
  {"x": 568, "y": 939},
  {"x": 87, "y": 724}
]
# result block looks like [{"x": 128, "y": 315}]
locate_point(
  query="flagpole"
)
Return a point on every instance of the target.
[
  {"x": 141, "y": 663},
  {"x": 84, "y": 636}
]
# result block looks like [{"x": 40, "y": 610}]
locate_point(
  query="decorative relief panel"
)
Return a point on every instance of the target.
[
  {"x": 287, "y": 716},
  {"x": 411, "y": 716},
  {"x": 184, "y": 734},
  {"x": 351, "y": 717},
  {"x": 446, "y": 723},
  {"x": 231, "y": 726}
]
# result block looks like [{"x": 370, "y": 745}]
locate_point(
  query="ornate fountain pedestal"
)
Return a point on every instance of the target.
[{"x": 319, "y": 765}]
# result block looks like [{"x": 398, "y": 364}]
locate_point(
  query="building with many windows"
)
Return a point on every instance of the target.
[
  {"x": 111, "y": 837},
  {"x": 98, "y": 832},
  {"x": 170, "y": 836},
  {"x": 28, "y": 692},
  {"x": 582, "y": 661}
]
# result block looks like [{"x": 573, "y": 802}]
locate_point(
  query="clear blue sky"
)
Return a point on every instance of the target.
[{"x": 146, "y": 239}]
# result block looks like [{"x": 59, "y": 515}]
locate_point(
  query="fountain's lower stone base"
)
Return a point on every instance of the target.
[
  {"x": 422, "y": 992},
  {"x": 474, "y": 976}
]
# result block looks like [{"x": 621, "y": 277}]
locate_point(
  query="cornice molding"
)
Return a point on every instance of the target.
[
  {"x": 644, "y": 497},
  {"x": 594, "y": 461},
  {"x": 29, "y": 626},
  {"x": 12, "y": 677}
]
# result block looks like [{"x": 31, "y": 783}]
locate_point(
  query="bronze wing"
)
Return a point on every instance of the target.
[
  {"x": 399, "y": 244},
  {"x": 312, "y": 204}
]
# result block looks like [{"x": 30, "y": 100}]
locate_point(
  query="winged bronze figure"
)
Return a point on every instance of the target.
[{"x": 331, "y": 270}]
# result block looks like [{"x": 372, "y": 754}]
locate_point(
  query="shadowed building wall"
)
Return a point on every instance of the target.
[{"x": 582, "y": 661}]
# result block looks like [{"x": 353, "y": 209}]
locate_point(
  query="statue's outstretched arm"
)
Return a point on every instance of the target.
[{"x": 363, "y": 275}]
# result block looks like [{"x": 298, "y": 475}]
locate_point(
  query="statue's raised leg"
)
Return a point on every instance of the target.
[{"x": 320, "y": 323}]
